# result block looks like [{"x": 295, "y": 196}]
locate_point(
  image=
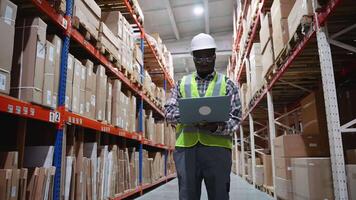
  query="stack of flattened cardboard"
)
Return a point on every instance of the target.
[
  {"x": 38, "y": 159},
  {"x": 8, "y": 12},
  {"x": 13, "y": 181}
]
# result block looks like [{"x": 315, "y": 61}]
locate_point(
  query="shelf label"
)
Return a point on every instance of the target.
[
  {"x": 25, "y": 110},
  {"x": 54, "y": 116},
  {"x": 10, "y": 108},
  {"x": 18, "y": 110},
  {"x": 64, "y": 23},
  {"x": 105, "y": 129}
]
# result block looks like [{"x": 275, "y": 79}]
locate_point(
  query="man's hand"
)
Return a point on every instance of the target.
[{"x": 212, "y": 126}]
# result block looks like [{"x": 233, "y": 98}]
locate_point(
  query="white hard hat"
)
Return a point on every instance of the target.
[{"x": 202, "y": 41}]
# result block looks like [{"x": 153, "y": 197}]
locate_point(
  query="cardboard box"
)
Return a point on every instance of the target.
[
  {"x": 108, "y": 102},
  {"x": 282, "y": 8},
  {"x": 279, "y": 13},
  {"x": 284, "y": 189},
  {"x": 280, "y": 35},
  {"x": 69, "y": 82},
  {"x": 5, "y": 82},
  {"x": 90, "y": 89},
  {"x": 89, "y": 14},
  {"x": 266, "y": 31},
  {"x": 108, "y": 40},
  {"x": 351, "y": 156},
  {"x": 312, "y": 178},
  {"x": 313, "y": 115},
  {"x": 138, "y": 55},
  {"x": 300, "y": 146},
  {"x": 300, "y": 9},
  {"x": 82, "y": 90},
  {"x": 28, "y": 60},
  {"x": 259, "y": 175},
  {"x": 76, "y": 86},
  {"x": 8, "y": 12},
  {"x": 267, "y": 58},
  {"x": 114, "y": 22},
  {"x": 351, "y": 180},
  {"x": 48, "y": 82},
  {"x": 101, "y": 81},
  {"x": 116, "y": 103},
  {"x": 57, "y": 42},
  {"x": 132, "y": 114},
  {"x": 283, "y": 168},
  {"x": 267, "y": 170}
]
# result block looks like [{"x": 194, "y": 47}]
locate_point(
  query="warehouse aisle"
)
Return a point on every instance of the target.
[{"x": 240, "y": 190}]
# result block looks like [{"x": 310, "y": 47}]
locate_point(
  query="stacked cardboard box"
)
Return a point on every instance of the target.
[
  {"x": 311, "y": 178},
  {"x": 279, "y": 14},
  {"x": 87, "y": 13},
  {"x": 90, "y": 90},
  {"x": 109, "y": 42},
  {"x": 101, "y": 85},
  {"x": 351, "y": 172},
  {"x": 255, "y": 64},
  {"x": 259, "y": 169},
  {"x": 294, "y": 146},
  {"x": 69, "y": 82},
  {"x": 301, "y": 12},
  {"x": 351, "y": 180},
  {"x": 57, "y": 42},
  {"x": 267, "y": 170},
  {"x": 249, "y": 167},
  {"x": 313, "y": 115},
  {"x": 29, "y": 60},
  {"x": 266, "y": 43},
  {"x": 7, "y": 26}
]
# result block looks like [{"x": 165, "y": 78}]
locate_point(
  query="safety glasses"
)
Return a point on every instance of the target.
[{"x": 204, "y": 60}]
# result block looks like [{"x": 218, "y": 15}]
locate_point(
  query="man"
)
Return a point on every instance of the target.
[{"x": 203, "y": 151}]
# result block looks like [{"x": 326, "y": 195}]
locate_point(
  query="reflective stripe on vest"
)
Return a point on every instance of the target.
[{"x": 188, "y": 136}]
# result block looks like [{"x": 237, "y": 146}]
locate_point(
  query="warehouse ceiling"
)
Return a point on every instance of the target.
[{"x": 177, "y": 21}]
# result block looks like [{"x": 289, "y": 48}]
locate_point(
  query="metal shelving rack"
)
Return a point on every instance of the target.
[
  {"x": 61, "y": 117},
  {"x": 312, "y": 60}
]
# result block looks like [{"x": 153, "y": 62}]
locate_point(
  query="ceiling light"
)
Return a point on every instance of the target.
[
  {"x": 350, "y": 53},
  {"x": 198, "y": 10}
]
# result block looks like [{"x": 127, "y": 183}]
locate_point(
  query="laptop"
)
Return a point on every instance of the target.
[{"x": 205, "y": 109}]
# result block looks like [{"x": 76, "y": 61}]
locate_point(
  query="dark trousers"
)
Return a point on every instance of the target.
[{"x": 198, "y": 163}]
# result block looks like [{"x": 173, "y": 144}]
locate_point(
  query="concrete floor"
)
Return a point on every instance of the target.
[{"x": 240, "y": 190}]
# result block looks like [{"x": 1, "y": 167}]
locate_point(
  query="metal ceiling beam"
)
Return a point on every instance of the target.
[
  {"x": 172, "y": 19},
  {"x": 207, "y": 21}
]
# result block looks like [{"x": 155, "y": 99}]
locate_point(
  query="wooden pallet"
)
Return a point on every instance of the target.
[
  {"x": 281, "y": 58},
  {"x": 82, "y": 28},
  {"x": 271, "y": 73},
  {"x": 268, "y": 189},
  {"x": 257, "y": 95},
  {"x": 108, "y": 54}
]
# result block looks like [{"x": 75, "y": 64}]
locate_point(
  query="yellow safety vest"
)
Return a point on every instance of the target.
[{"x": 188, "y": 136}]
